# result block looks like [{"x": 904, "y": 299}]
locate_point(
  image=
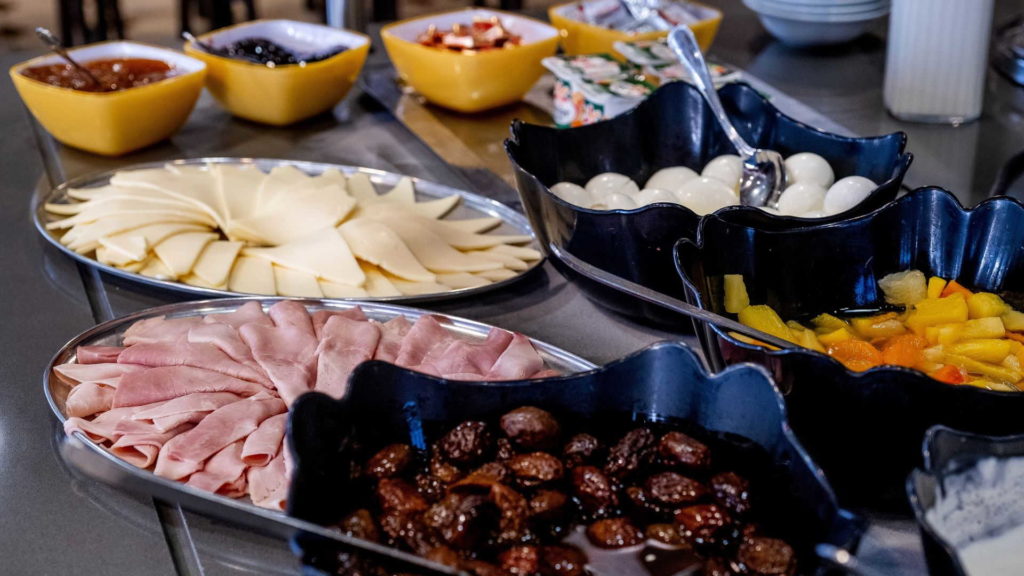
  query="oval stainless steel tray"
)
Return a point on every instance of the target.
[
  {"x": 94, "y": 461},
  {"x": 471, "y": 206}
]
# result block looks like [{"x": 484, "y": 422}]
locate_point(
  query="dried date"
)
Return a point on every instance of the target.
[
  {"x": 732, "y": 491},
  {"x": 614, "y": 533},
  {"x": 674, "y": 489},
  {"x": 532, "y": 470},
  {"x": 678, "y": 449},
  {"x": 581, "y": 449},
  {"x": 392, "y": 461},
  {"x": 626, "y": 456},
  {"x": 468, "y": 443},
  {"x": 531, "y": 428},
  {"x": 761, "y": 556},
  {"x": 594, "y": 490}
]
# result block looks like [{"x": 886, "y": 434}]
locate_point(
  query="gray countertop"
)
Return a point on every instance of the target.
[{"x": 55, "y": 522}]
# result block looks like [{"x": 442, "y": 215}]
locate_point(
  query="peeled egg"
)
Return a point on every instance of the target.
[
  {"x": 655, "y": 196},
  {"x": 726, "y": 168},
  {"x": 800, "y": 198},
  {"x": 572, "y": 193},
  {"x": 770, "y": 210},
  {"x": 847, "y": 193},
  {"x": 809, "y": 167},
  {"x": 616, "y": 201},
  {"x": 672, "y": 178},
  {"x": 705, "y": 195},
  {"x": 602, "y": 185}
]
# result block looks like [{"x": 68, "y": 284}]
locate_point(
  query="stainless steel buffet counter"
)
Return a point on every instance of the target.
[{"x": 54, "y": 522}]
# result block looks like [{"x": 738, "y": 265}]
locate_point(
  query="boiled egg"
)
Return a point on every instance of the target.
[
  {"x": 572, "y": 193},
  {"x": 601, "y": 186},
  {"x": 616, "y": 201},
  {"x": 671, "y": 179},
  {"x": 809, "y": 167},
  {"x": 727, "y": 168},
  {"x": 847, "y": 193},
  {"x": 800, "y": 198},
  {"x": 656, "y": 196},
  {"x": 705, "y": 195}
]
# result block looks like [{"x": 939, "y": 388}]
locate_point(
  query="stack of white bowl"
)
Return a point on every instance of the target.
[{"x": 818, "y": 22}]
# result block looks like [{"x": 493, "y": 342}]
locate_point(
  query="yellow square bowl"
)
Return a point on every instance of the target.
[
  {"x": 579, "y": 37},
  {"x": 282, "y": 95},
  {"x": 470, "y": 81},
  {"x": 113, "y": 123}
]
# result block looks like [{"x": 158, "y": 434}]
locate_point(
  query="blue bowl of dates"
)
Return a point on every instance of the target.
[{"x": 648, "y": 465}]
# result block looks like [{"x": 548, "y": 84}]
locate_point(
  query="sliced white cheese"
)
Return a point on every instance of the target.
[
  {"x": 361, "y": 188},
  {"x": 296, "y": 283},
  {"x": 332, "y": 176},
  {"x": 253, "y": 276},
  {"x": 433, "y": 252},
  {"x": 191, "y": 183},
  {"x": 472, "y": 225},
  {"x": 323, "y": 254},
  {"x": 85, "y": 237},
  {"x": 377, "y": 244},
  {"x": 451, "y": 234},
  {"x": 288, "y": 221},
  {"x": 521, "y": 252},
  {"x": 181, "y": 251},
  {"x": 508, "y": 261},
  {"x": 238, "y": 186},
  {"x": 154, "y": 268},
  {"x": 460, "y": 280},
  {"x": 417, "y": 288},
  {"x": 402, "y": 192},
  {"x": 99, "y": 209},
  {"x": 280, "y": 181},
  {"x": 115, "y": 258},
  {"x": 332, "y": 290},
  {"x": 497, "y": 275},
  {"x": 135, "y": 267},
  {"x": 377, "y": 284},
  {"x": 153, "y": 234},
  {"x": 123, "y": 249},
  {"x": 215, "y": 262},
  {"x": 197, "y": 281}
]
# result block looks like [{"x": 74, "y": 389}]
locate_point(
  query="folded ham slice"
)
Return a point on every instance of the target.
[
  {"x": 287, "y": 353},
  {"x": 224, "y": 473},
  {"x": 159, "y": 329},
  {"x": 248, "y": 313},
  {"x": 424, "y": 335},
  {"x": 197, "y": 355},
  {"x": 291, "y": 313},
  {"x": 520, "y": 360},
  {"x": 99, "y": 373},
  {"x": 261, "y": 446},
  {"x": 185, "y": 453},
  {"x": 142, "y": 448},
  {"x": 97, "y": 354},
  {"x": 170, "y": 414},
  {"x": 392, "y": 334},
  {"x": 268, "y": 485},
  {"x": 461, "y": 358},
  {"x": 89, "y": 398},
  {"x": 320, "y": 317},
  {"x": 166, "y": 382},
  {"x": 344, "y": 344}
]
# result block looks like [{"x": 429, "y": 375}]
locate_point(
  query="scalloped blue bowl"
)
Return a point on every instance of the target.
[
  {"x": 672, "y": 127},
  {"x": 851, "y": 421},
  {"x": 387, "y": 404},
  {"x": 947, "y": 452}
]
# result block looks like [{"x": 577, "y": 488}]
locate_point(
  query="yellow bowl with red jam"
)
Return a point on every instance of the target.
[
  {"x": 147, "y": 103},
  {"x": 282, "y": 94},
  {"x": 470, "y": 80}
]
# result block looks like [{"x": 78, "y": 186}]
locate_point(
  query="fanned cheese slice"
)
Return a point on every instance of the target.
[
  {"x": 361, "y": 188},
  {"x": 153, "y": 234},
  {"x": 215, "y": 262},
  {"x": 296, "y": 283},
  {"x": 402, "y": 192},
  {"x": 99, "y": 209},
  {"x": 279, "y": 182},
  {"x": 521, "y": 252},
  {"x": 238, "y": 186},
  {"x": 333, "y": 176},
  {"x": 323, "y": 254},
  {"x": 115, "y": 258},
  {"x": 135, "y": 267},
  {"x": 460, "y": 280},
  {"x": 252, "y": 276},
  {"x": 122, "y": 249},
  {"x": 475, "y": 225},
  {"x": 191, "y": 183},
  {"x": 433, "y": 252},
  {"x": 154, "y": 268},
  {"x": 416, "y": 288},
  {"x": 85, "y": 238},
  {"x": 452, "y": 235},
  {"x": 332, "y": 290},
  {"x": 321, "y": 208},
  {"x": 197, "y": 281},
  {"x": 508, "y": 261},
  {"x": 377, "y": 284},
  {"x": 497, "y": 275},
  {"x": 181, "y": 251},
  {"x": 377, "y": 244}
]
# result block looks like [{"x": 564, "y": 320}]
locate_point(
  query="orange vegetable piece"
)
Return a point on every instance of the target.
[
  {"x": 1015, "y": 336},
  {"x": 857, "y": 355},
  {"x": 949, "y": 374},
  {"x": 954, "y": 287},
  {"x": 904, "y": 350}
]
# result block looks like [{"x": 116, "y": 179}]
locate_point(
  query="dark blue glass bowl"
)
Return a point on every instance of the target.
[
  {"x": 665, "y": 381},
  {"x": 672, "y": 127},
  {"x": 864, "y": 428},
  {"x": 947, "y": 452}
]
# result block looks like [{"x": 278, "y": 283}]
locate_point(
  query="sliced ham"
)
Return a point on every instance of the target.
[
  {"x": 142, "y": 448},
  {"x": 546, "y": 373},
  {"x": 159, "y": 329},
  {"x": 88, "y": 398},
  {"x": 320, "y": 317},
  {"x": 224, "y": 473},
  {"x": 167, "y": 382},
  {"x": 103, "y": 427},
  {"x": 463, "y": 376},
  {"x": 291, "y": 313},
  {"x": 344, "y": 344},
  {"x": 205, "y": 356},
  {"x": 392, "y": 333},
  {"x": 248, "y": 313},
  {"x": 170, "y": 414},
  {"x": 262, "y": 444},
  {"x": 287, "y": 354},
  {"x": 464, "y": 357},
  {"x": 268, "y": 485},
  {"x": 520, "y": 360},
  {"x": 185, "y": 453},
  {"x": 100, "y": 373},
  {"x": 426, "y": 334},
  {"x": 97, "y": 354}
]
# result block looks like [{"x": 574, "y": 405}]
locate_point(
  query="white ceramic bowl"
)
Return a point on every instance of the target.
[
  {"x": 817, "y": 11},
  {"x": 800, "y": 14}
]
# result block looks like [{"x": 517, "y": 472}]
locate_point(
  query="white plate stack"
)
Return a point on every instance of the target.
[{"x": 818, "y": 22}]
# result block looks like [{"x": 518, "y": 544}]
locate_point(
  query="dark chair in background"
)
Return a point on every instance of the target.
[
  {"x": 76, "y": 28},
  {"x": 217, "y": 13}
]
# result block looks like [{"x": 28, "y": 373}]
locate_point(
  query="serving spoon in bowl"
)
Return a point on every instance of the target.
[
  {"x": 54, "y": 44},
  {"x": 764, "y": 176}
]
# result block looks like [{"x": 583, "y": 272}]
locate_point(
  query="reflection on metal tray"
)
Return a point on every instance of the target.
[{"x": 471, "y": 206}]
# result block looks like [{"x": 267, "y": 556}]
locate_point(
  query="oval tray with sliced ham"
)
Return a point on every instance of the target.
[{"x": 198, "y": 392}]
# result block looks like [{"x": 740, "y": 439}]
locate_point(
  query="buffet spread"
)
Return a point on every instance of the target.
[{"x": 432, "y": 444}]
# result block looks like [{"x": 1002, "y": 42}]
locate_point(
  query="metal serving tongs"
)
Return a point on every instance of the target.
[{"x": 667, "y": 302}]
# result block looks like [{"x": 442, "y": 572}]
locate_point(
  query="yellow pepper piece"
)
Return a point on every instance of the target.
[
  {"x": 935, "y": 286},
  {"x": 985, "y": 349},
  {"x": 973, "y": 366},
  {"x": 808, "y": 339},
  {"x": 932, "y": 311},
  {"x": 748, "y": 340},
  {"x": 765, "y": 319},
  {"x": 736, "y": 297},
  {"x": 983, "y": 328},
  {"x": 986, "y": 304},
  {"x": 1013, "y": 321},
  {"x": 836, "y": 336},
  {"x": 824, "y": 323},
  {"x": 881, "y": 326}
]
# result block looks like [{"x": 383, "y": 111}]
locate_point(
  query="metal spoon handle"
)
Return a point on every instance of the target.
[
  {"x": 654, "y": 297},
  {"x": 684, "y": 44},
  {"x": 54, "y": 44}
]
